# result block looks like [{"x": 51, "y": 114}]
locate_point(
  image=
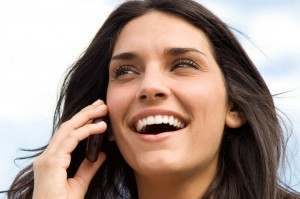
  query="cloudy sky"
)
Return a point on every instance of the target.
[{"x": 40, "y": 39}]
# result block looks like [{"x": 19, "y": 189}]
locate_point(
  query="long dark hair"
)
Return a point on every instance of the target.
[{"x": 249, "y": 156}]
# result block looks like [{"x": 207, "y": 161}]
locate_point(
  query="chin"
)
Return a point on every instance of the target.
[{"x": 157, "y": 164}]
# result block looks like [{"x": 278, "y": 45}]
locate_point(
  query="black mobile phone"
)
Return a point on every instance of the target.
[{"x": 93, "y": 145}]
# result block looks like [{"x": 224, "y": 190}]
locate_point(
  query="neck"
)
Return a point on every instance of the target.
[{"x": 192, "y": 185}]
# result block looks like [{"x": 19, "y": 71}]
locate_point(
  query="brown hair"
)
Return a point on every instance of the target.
[{"x": 250, "y": 155}]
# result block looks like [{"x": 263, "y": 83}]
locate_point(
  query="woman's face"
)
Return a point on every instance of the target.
[{"x": 166, "y": 97}]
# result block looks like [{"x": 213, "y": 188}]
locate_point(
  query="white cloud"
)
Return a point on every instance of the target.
[
  {"x": 39, "y": 40},
  {"x": 276, "y": 32}
]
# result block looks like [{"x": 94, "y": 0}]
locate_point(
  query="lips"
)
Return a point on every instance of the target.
[{"x": 158, "y": 123}]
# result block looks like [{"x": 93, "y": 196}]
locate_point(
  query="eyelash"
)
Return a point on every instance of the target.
[
  {"x": 126, "y": 69},
  {"x": 122, "y": 70},
  {"x": 185, "y": 62}
]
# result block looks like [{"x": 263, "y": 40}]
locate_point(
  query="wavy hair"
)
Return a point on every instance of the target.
[{"x": 249, "y": 156}]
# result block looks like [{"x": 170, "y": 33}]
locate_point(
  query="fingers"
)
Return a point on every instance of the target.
[
  {"x": 75, "y": 130},
  {"x": 79, "y": 126},
  {"x": 50, "y": 168},
  {"x": 69, "y": 143},
  {"x": 95, "y": 110}
]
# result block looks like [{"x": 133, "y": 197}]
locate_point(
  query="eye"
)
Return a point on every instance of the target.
[
  {"x": 123, "y": 70},
  {"x": 185, "y": 63}
]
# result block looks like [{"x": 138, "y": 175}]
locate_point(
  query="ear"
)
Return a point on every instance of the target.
[{"x": 235, "y": 118}]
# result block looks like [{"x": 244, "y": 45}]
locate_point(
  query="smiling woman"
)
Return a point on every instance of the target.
[
  {"x": 186, "y": 114},
  {"x": 162, "y": 79}
]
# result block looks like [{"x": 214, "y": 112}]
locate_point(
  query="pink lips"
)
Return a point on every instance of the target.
[
  {"x": 152, "y": 112},
  {"x": 158, "y": 137}
]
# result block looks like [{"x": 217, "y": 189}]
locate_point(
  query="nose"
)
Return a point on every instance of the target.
[{"x": 153, "y": 87}]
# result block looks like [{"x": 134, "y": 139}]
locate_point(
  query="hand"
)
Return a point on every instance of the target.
[{"x": 50, "y": 168}]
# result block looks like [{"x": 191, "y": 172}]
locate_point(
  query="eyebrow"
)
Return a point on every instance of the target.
[
  {"x": 168, "y": 51},
  {"x": 180, "y": 51},
  {"x": 124, "y": 56}
]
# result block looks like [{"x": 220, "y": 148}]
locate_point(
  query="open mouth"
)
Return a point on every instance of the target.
[{"x": 158, "y": 124}]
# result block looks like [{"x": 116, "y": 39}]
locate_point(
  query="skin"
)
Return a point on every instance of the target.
[
  {"x": 179, "y": 164},
  {"x": 50, "y": 168}
]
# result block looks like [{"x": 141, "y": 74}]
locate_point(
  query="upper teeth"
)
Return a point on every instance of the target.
[{"x": 158, "y": 119}]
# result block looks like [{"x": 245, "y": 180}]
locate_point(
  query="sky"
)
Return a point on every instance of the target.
[{"x": 40, "y": 39}]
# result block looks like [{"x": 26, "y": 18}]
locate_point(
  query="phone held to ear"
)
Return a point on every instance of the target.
[{"x": 94, "y": 144}]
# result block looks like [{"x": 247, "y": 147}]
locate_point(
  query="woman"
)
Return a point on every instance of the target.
[{"x": 187, "y": 115}]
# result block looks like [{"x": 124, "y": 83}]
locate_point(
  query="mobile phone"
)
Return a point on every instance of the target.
[{"x": 93, "y": 145}]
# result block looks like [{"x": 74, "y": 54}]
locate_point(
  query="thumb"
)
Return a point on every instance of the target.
[{"x": 80, "y": 182}]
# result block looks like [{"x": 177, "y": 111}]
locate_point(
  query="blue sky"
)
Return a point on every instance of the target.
[{"x": 40, "y": 39}]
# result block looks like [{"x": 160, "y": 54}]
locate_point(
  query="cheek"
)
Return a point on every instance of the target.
[
  {"x": 118, "y": 101},
  {"x": 207, "y": 104},
  {"x": 114, "y": 104},
  {"x": 207, "y": 98},
  {"x": 208, "y": 109}
]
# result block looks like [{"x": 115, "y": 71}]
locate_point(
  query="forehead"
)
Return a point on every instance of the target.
[{"x": 158, "y": 30}]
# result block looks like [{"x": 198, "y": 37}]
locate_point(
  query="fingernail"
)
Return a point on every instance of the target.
[
  {"x": 96, "y": 102},
  {"x": 102, "y": 123},
  {"x": 100, "y": 106}
]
